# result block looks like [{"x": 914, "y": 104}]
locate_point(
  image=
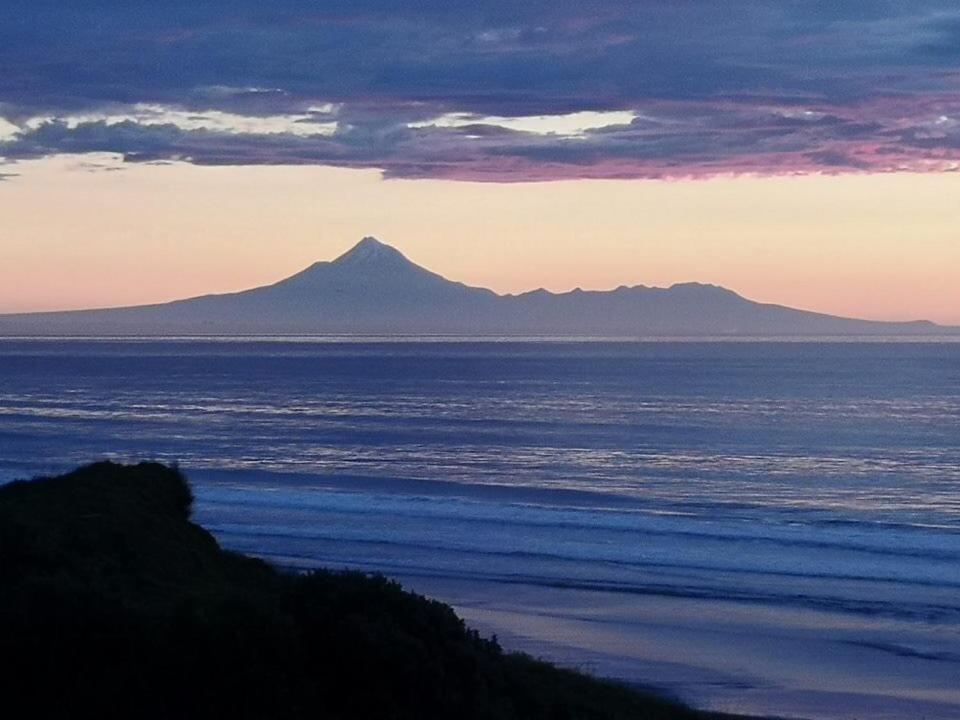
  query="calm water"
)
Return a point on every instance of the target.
[{"x": 771, "y": 527}]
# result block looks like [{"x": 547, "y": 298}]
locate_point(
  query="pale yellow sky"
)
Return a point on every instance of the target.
[{"x": 873, "y": 246}]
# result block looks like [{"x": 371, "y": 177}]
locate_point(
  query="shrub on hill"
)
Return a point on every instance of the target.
[{"x": 112, "y": 603}]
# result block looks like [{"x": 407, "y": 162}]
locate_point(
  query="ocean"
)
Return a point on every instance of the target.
[{"x": 763, "y": 527}]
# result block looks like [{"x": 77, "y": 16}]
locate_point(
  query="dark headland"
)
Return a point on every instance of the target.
[
  {"x": 373, "y": 289},
  {"x": 114, "y": 604}
]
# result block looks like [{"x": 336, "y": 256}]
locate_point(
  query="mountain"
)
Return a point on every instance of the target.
[{"x": 373, "y": 289}]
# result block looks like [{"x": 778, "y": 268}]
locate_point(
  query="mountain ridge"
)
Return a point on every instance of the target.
[{"x": 374, "y": 289}]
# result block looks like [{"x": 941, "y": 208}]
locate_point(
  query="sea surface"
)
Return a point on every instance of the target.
[{"x": 767, "y": 527}]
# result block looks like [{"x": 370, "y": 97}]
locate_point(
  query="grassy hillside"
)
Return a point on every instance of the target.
[{"x": 113, "y": 603}]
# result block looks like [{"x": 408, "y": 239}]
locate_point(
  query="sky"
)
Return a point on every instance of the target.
[{"x": 797, "y": 152}]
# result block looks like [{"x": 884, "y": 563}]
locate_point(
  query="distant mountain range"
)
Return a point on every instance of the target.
[{"x": 374, "y": 290}]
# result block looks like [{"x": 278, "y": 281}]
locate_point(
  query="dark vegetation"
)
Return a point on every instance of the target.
[{"x": 113, "y": 604}]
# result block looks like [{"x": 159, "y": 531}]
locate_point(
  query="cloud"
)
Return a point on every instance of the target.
[
  {"x": 567, "y": 125},
  {"x": 502, "y": 91},
  {"x": 8, "y": 131},
  {"x": 301, "y": 125},
  {"x": 672, "y": 139}
]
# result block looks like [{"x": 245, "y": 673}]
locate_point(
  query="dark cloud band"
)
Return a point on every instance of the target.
[{"x": 490, "y": 91}]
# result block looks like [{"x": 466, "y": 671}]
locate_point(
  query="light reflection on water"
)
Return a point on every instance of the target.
[{"x": 819, "y": 479}]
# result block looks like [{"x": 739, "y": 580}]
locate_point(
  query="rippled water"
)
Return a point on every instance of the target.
[{"x": 805, "y": 493}]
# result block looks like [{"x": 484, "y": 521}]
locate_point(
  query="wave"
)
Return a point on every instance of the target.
[
  {"x": 542, "y": 513},
  {"x": 230, "y": 533},
  {"x": 639, "y": 523},
  {"x": 913, "y": 612}
]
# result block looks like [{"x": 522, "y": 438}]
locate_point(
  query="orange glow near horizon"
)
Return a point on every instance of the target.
[{"x": 871, "y": 246}]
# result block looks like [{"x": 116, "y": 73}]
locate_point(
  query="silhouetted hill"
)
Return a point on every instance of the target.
[
  {"x": 374, "y": 290},
  {"x": 113, "y": 604}
]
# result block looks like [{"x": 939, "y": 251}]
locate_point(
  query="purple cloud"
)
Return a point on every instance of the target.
[{"x": 506, "y": 92}]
